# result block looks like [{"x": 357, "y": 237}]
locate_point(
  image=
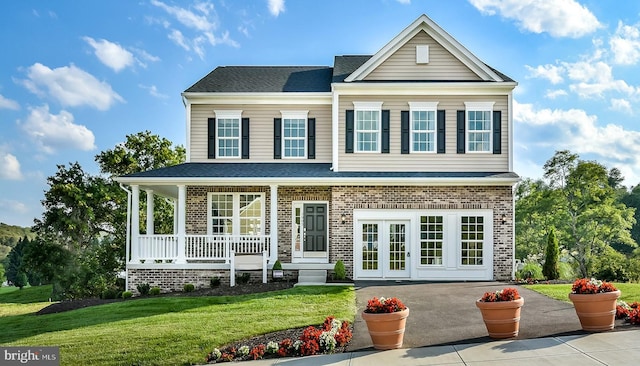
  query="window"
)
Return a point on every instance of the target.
[
  {"x": 228, "y": 134},
  {"x": 423, "y": 126},
  {"x": 236, "y": 213},
  {"x": 479, "y": 126},
  {"x": 367, "y": 126},
  {"x": 431, "y": 240},
  {"x": 369, "y": 247},
  {"x": 294, "y": 134},
  {"x": 472, "y": 239}
]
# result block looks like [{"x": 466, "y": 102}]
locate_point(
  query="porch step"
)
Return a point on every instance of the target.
[{"x": 312, "y": 276}]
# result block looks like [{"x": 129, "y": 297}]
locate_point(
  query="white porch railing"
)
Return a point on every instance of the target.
[{"x": 199, "y": 247}]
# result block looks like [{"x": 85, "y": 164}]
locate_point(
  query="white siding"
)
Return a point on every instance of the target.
[
  {"x": 261, "y": 131},
  {"x": 448, "y": 162},
  {"x": 442, "y": 64}
]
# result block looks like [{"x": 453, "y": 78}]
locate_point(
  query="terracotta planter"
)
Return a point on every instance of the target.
[
  {"x": 597, "y": 312},
  {"x": 386, "y": 329},
  {"x": 502, "y": 318}
]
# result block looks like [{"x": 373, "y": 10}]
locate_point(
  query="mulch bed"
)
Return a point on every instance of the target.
[{"x": 222, "y": 290}]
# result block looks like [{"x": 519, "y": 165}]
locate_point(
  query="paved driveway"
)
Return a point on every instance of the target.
[{"x": 445, "y": 313}]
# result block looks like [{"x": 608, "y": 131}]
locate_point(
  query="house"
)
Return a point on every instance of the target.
[{"x": 399, "y": 163}]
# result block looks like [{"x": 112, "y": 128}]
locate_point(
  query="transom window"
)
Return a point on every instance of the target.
[
  {"x": 294, "y": 134},
  {"x": 472, "y": 239},
  {"x": 423, "y": 126},
  {"x": 236, "y": 213},
  {"x": 367, "y": 126},
  {"x": 479, "y": 126},
  {"x": 228, "y": 133}
]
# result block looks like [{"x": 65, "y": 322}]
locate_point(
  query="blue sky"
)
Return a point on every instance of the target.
[{"x": 76, "y": 78}]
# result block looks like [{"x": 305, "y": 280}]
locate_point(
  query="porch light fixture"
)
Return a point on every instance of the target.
[
  {"x": 504, "y": 219},
  {"x": 343, "y": 217}
]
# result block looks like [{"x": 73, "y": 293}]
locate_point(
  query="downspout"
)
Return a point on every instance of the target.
[{"x": 127, "y": 237}]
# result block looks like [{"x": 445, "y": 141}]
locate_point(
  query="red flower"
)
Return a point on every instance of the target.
[
  {"x": 591, "y": 286},
  {"x": 382, "y": 305},
  {"x": 507, "y": 294},
  {"x": 257, "y": 351}
]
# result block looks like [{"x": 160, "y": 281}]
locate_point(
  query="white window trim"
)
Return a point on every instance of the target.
[
  {"x": 295, "y": 115},
  {"x": 478, "y": 107},
  {"x": 423, "y": 106},
  {"x": 229, "y": 114},
  {"x": 367, "y": 106},
  {"x": 236, "y": 211}
]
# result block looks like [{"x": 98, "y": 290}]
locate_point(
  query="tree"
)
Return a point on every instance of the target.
[
  {"x": 551, "y": 269},
  {"x": 588, "y": 217}
]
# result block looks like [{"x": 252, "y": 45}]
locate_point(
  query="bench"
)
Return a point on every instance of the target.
[{"x": 248, "y": 262}]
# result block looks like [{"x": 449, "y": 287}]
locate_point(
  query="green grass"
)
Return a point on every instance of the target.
[
  {"x": 172, "y": 330},
  {"x": 630, "y": 292}
]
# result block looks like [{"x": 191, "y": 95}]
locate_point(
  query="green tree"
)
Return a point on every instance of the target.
[
  {"x": 551, "y": 270},
  {"x": 588, "y": 217}
]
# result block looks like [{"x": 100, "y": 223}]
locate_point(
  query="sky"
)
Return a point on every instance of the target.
[{"x": 77, "y": 78}]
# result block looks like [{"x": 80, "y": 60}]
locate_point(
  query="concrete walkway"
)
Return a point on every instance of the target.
[{"x": 445, "y": 328}]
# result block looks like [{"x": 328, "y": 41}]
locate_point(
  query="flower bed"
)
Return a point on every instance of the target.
[
  {"x": 629, "y": 312},
  {"x": 332, "y": 335}
]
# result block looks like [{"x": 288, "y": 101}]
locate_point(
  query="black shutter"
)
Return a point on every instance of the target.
[
  {"x": 461, "y": 132},
  {"x": 440, "y": 129},
  {"x": 311, "y": 138},
  {"x": 404, "y": 132},
  {"x": 384, "y": 138},
  {"x": 245, "y": 138},
  {"x": 497, "y": 129},
  {"x": 277, "y": 138},
  {"x": 211, "y": 131},
  {"x": 348, "y": 145}
]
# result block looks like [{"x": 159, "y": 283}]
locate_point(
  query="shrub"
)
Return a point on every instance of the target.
[
  {"x": 189, "y": 287},
  {"x": 550, "y": 270},
  {"x": 530, "y": 270},
  {"x": 611, "y": 265},
  {"x": 339, "y": 270},
  {"x": 214, "y": 282},
  {"x": 243, "y": 278},
  {"x": 127, "y": 294},
  {"x": 277, "y": 265},
  {"x": 109, "y": 294},
  {"x": 143, "y": 288},
  {"x": 155, "y": 291}
]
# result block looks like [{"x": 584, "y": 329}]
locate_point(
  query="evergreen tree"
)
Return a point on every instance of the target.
[{"x": 551, "y": 270}]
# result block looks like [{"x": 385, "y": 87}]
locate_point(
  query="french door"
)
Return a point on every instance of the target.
[{"x": 384, "y": 249}]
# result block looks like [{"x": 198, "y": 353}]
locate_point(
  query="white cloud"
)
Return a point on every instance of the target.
[
  {"x": 53, "y": 132},
  {"x": 6, "y": 103},
  {"x": 199, "y": 24},
  {"x": 144, "y": 56},
  {"x": 552, "y": 73},
  {"x": 13, "y": 206},
  {"x": 406, "y": 2},
  {"x": 153, "y": 91},
  {"x": 621, "y": 105},
  {"x": 189, "y": 18},
  {"x": 9, "y": 167},
  {"x": 71, "y": 86},
  {"x": 625, "y": 44},
  {"x": 559, "y": 18},
  {"x": 579, "y": 132},
  {"x": 593, "y": 79},
  {"x": 276, "y": 7},
  {"x": 111, "y": 54},
  {"x": 553, "y": 94}
]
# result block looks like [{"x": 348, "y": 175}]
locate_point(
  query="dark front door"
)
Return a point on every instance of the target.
[{"x": 315, "y": 227}]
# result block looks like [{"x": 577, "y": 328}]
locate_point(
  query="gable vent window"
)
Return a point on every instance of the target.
[{"x": 422, "y": 54}]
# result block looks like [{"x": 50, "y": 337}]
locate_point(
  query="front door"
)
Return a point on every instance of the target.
[
  {"x": 315, "y": 227},
  {"x": 383, "y": 249}
]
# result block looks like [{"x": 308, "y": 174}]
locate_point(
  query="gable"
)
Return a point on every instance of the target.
[
  {"x": 442, "y": 65},
  {"x": 424, "y": 24}
]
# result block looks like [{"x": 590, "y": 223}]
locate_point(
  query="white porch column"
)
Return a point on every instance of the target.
[
  {"x": 182, "y": 223},
  {"x": 135, "y": 222},
  {"x": 150, "y": 208},
  {"x": 273, "y": 227},
  {"x": 175, "y": 216}
]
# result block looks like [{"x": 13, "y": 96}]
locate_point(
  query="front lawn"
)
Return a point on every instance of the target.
[
  {"x": 630, "y": 291},
  {"x": 171, "y": 330}
]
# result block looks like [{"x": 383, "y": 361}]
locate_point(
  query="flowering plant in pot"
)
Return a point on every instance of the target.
[
  {"x": 386, "y": 319},
  {"x": 595, "y": 303},
  {"x": 501, "y": 312}
]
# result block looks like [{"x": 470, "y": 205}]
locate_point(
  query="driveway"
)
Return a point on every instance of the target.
[{"x": 445, "y": 313}]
